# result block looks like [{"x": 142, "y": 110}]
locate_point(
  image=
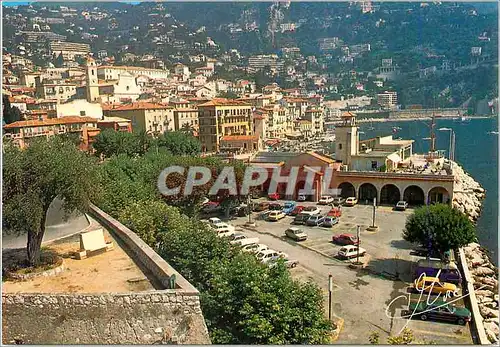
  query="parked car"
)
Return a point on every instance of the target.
[
  {"x": 297, "y": 210},
  {"x": 288, "y": 263},
  {"x": 338, "y": 201},
  {"x": 315, "y": 220},
  {"x": 241, "y": 210},
  {"x": 261, "y": 206},
  {"x": 236, "y": 237},
  {"x": 351, "y": 251},
  {"x": 345, "y": 239},
  {"x": 211, "y": 207},
  {"x": 223, "y": 230},
  {"x": 448, "y": 271},
  {"x": 275, "y": 207},
  {"x": 288, "y": 207},
  {"x": 433, "y": 285},
  {"x": 267, "y": 255},
  {"x": 296, "y": 234},
  {"x": 311, "y": 210},
  {"x": 325, "y": 200},
  {"x": 275, "y": 216},
  {"x": 301, "y": 218},
  {"x": 329, "y": 221},
  {"x": 254, "y": 248},
  {"x": 301, "y": 198},
  {"x": 335, "y": 212},
  {"x": 401, "y": 206},
  {"x": 243, "y": 240},
  {"x": 351, "y": 201},
  {"x": 214, "y": 221},
  {"x": 273, "y": 196},
  {"x": 439, "y": 310}
]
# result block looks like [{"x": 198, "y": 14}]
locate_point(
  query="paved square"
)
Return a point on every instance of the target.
[{"x": 361, "y": 297}]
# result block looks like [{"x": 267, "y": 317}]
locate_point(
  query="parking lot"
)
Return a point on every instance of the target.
[{"x": 364, "y": 298}]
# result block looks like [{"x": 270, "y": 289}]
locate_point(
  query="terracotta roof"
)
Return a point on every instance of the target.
[
  {"x": 224, "y": 102},
  {"x": 138, "y": 106},
  {"x": 291, "y": 99},
  {"x": 240, "y": 138},
  {"x": 321, "y": 157},
  {"x": 313, "y": 110},
  {"x": 51, "y": 121}
]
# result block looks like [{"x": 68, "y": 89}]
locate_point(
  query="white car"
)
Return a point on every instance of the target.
[
  {"x": 351, "y": 252},
  {"x": 254, "y": 248},
  {"x": 223, "y": 230},
  {"x": 325, "y": 200},
  {"x": 243, "y": 240},
  {"x": 311, "y": 210},
  {"x": 267, "y": 255},
  {"x": 301, "y": 198},
  {"x": 214, "y": 221}
]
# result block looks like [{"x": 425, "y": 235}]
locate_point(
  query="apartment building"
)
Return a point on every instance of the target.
[
  {"x": 68, "y": 50},
  {"x": 387, "y": 99},
  {"x": 260, "y": 61},
  {"x": 221, "y": 118},
  {"x": 61, "y": 91},
  {"x": 315, "y": 116},
  {"x": 21, "y": 132},
  {"x": 278, "y": 123},
  {"x": 186, "y": 117},
  {"x": 151, "y": 117},
  {"x": 113, "y": 72}
]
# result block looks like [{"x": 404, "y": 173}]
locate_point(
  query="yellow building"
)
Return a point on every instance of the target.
[
  {"x": 154, "y": 118},
  {"x": 223, "y": 117}
]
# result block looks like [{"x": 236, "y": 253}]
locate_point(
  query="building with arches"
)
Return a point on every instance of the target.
[{"x": 381, "y": 168}]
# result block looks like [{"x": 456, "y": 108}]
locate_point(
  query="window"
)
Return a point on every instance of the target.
[
  {"x": 93, "y": 72},
  {"x": 82, "y": 113},
  {"x": 340, "y": 146},
  {"x": 128, "y": 88},
  {"x": 374, "y": 164}
]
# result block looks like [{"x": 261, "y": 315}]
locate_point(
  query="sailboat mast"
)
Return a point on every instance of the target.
[{"x": 433, "y": 135}]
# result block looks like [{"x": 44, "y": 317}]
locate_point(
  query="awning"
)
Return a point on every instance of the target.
[
  {"x": 122, "y": 124},
  {"x": 395, "y": 158}
]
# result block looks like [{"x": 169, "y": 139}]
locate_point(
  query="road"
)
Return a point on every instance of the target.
[{"x": 56, "y": 227}]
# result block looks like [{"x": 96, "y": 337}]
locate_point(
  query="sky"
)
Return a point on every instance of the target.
[{"x": 17, "y": 3}]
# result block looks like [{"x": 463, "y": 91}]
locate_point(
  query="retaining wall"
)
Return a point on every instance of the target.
[
  {"x": 159, "y": 316},
  {"x": 478, "y": 332}
]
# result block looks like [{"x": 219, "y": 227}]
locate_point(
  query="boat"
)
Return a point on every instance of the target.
[
  {"x": 493, "y": 132},
  {"x": 464, "y": 119}
]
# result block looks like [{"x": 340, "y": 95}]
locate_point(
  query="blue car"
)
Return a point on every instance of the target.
[{"x": 288, "y": 207}]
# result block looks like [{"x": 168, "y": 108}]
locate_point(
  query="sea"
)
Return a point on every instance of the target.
[{"x": 476, "y": 150}]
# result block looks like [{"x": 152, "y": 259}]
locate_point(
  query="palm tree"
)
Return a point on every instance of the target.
[{"x": 187, "y": 129}]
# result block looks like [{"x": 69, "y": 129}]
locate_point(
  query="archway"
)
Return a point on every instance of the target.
[
  {"x": 414, "y": 195},
  {"x": 367, "y": 192},
  {"x": 438, "y": 195},
  {"x": 389, "y": 194},
  {"x": 347, "y": 190}
]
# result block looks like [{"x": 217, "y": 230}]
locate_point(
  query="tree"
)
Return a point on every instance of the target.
[
  {"x": 110, "y": 142},
  {"x": 179, "y": 143},
  {"x": 439, "y": 227},
  {"x": 187, "y": 129},
  {"x": 10, "y": 113},
  {"x": 34, "y": 177}
]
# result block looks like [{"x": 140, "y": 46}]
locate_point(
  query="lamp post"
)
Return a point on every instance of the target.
[
  {"x": 330, "y": 288},
  {"x": 373, "y": 227}
]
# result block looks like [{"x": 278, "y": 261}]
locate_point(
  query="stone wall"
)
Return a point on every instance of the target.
[
  {"x": 159, "y": 316},
  {"x": 168, "y": 316}
]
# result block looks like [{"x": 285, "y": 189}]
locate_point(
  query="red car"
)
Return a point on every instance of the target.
[
  {"x": 296, "y": 210},
  {"x": 345, "y": 239},
  {"x": 273, "y": 196},
  {"x": 335, "y": 212}
]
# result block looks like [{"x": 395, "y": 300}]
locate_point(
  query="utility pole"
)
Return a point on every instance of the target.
[
  {"x": 330, "y": 288},
  {"x": 359, "y": 242}
]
